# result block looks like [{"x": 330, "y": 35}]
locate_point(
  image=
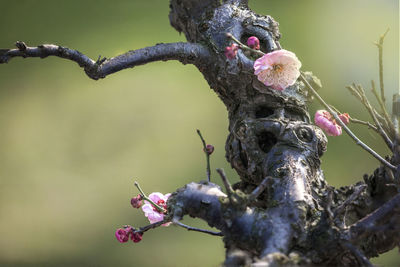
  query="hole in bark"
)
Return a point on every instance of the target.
[
  {"x": 266, "y": 140},
  {"x": 293, "y": 114},
  {"x": 305, "y": 135},
  {"x": 263, "y": 112}
]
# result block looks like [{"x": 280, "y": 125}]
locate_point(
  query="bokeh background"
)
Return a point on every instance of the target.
[{"x": 71, "y": 147}]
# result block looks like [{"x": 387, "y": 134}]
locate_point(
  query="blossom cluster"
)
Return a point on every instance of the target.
[
  {"x": 123, "y": 234},
  {"x": 278, "y": 69},
  {"x": 153, "y": 214}
]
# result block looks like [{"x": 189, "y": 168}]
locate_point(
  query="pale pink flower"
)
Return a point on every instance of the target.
[
  {"x": 278, "y": 69},
  {"x": 151, "y": 212},
  {"x": 326, "y": 122}
]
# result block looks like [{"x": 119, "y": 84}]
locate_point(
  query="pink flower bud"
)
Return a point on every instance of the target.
[
  {"x": 136, "y": 202},
  {"x": 136, "y": 237},
  {"x": 253, "y": 43},
  {"x": 122, "y": 235},
  {"x": 209, "y": 149},
  {"x": 231, "y": 51},
  {"x": 345, "y": 118},
  {"x": 326, "y": 122}
]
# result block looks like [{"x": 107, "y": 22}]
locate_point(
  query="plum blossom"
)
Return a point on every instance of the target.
[
  {"x": 137, "y": 202},
  {"x": 151, "y": 212},
  {"x": 136, "y": 237},
  {"x": 122, "y": 234},
  {"x": 278, "y": 69},
  {"x": 231, "y": 51},
  {"x": 326, "y": 122},
  {"x": 253, "y": 43}
]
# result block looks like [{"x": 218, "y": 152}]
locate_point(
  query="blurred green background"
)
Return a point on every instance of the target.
[{"x": 71, "y": 147}]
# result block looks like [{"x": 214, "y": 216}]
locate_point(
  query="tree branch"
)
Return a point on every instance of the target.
[
  {"x": 357, "y": 191},
  {"x": 379, "y": 44},
  {"x": 184, "y": 52},
  {"x": 386, "y": 219},
  {"x": 362, "y": 260},
  {"x": 348, "y": 131},
  {"x": 190, "y": 228}
]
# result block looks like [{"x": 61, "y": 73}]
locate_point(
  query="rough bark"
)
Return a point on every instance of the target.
[
  {"x": 271, "y": 136},
  {"x": 282, "y": 212}
]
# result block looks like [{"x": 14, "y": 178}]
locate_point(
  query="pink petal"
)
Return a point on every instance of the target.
[
  {"x": 281, "y": 78},
  {"x": 156, "y": 196}
]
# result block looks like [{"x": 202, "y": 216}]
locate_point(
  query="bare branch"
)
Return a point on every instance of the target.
[
  {"x": 208, "y": 167},
  {"x": 357, "y": 121},
  {"x": 190, "y": 228},
  {"x": 352, "y": 197},
  {"x": 150, "y": 226},
  {"x": 387, "y": 214},
  {"x": 361, "y": 258},
  {"x": 367, "y": 123},
  {"x": 382, "y": 105},
  {"x": 184, "y": 52},
  {"x": 359, "y": 92},
  {"x": 261, "y": 187},
  {"x": 379, "y": 44},
  {"x": 348, "y": 131},
  {"x": 228, "y": 187}
]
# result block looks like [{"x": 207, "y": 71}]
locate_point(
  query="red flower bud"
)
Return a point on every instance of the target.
[
  {"x": 136, "y": 202},
  {"x": 136, "y": 237},
  {"x": 231, "y": 51},
  {"x": 253, "y": 43},
  {"x": 209, "y": 149},
  {"x": 122, "y": 235}
]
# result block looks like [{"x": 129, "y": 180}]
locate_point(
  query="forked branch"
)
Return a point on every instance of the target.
[{"x": 186, "y": 53}]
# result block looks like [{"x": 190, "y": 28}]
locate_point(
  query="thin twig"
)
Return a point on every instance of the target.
[
  {"x": 243, "y": 46},
  {"x": 348, "y": 131},
  {"x": 361, "y": 258},
  {"x": 359, "y": 91},
  {"x": 183, "y": 52},
  {"x": 208, "y": 168},
  {"x": 148, "y": 199},
  {"x": 357, "y": 121},
  {"x": 379, "y": 44},
  {"x": 228, "y": 187},
  {"x": 190, "y": 228},
  {"x": 150, "y": 226},
  {"x": 349, "y": 200},
  {"x": 260, "y": 188},
  {"x": 382, "y": 105},
  {"x": 354, "y": 92},
  {"x": 372, "y": 112}
]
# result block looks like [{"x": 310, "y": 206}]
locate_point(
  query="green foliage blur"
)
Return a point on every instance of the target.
[{"x": 71, "y": 147}]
